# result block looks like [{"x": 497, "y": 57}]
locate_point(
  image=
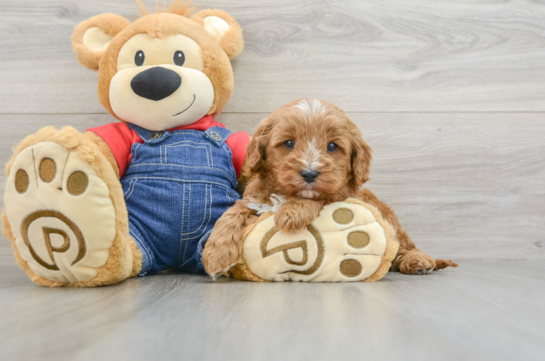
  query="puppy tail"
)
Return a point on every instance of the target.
[{"x": 440, "y": 264}]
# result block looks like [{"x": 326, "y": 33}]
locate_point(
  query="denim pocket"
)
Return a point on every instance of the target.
[
  {"x": 196, "y": 214},
  {"x": 187, "y": 152}
]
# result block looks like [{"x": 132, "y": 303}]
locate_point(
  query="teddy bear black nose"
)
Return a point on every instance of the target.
[
  {"x": 156, "y": 83},
  {"x": 309, "y": 175}
]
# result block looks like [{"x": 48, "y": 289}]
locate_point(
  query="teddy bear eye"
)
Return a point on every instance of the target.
[
  {"x": 289, "y": 144},
  {"x": 139, "y": 58},
  {"x": 179, "y": 58},
  {"x": 331, "y": 147}
]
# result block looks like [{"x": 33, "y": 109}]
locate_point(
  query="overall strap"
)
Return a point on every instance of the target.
[
  {"x": 217, "y": 135},
  {"x": 149, "y": 136}
]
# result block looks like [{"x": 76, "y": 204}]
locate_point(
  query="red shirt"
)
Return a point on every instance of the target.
[{"x": 120, "y": 138}]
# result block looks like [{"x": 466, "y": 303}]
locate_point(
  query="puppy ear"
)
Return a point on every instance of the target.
[
  {"x": 92, "y": 37},
  {"x": 223, "y": 28},
  {"x": 257, "y": 148},
  {"x": 361, "y": 158}
]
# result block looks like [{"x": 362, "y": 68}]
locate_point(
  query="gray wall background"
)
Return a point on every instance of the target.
[{"x": 449, "y": 94}]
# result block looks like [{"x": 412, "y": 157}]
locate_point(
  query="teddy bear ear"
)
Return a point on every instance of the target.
[
  {"x": 223, "y": 28},
  {"x": 92, "y": 37}
]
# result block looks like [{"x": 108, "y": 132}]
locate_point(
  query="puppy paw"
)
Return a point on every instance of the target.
[
  {"x": 288, "y": 219},
  {"x": 416, "y": 263},
  {"x": 218, "y": 257}
]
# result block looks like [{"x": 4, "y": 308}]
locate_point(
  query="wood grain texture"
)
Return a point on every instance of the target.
[
  {"x": 465, "y": 186},
  {"x": 378, "y": 55},
  {"x": 480, "y": 311}
]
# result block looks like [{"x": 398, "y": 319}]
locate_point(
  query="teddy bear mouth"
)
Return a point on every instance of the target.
[{"x": 194, "y": 97}]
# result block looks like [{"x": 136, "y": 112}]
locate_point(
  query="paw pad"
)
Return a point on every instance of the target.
[
  {"x": 350, "y": 268},
  {"x": 77, "y": 183},
  {"x": 358, "y": 239},
  {"x": 343, "y": 216},
  {"x": 47, "y": 170},
  {"x": 21, "y": 181}
]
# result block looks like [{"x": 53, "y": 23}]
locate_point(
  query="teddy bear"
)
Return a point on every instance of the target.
[{"x": 142, "y": 194}]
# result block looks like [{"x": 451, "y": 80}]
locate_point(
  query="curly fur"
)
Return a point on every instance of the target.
[{"x": 312, "y": 124}]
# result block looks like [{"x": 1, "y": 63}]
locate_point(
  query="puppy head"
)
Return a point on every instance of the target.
[
  {"x": 310, "y": 149},
  {"x": 164, "y": 70}
]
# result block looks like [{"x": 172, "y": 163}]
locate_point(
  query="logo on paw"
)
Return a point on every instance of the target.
[
  {"x": 296, "y": 246},
  {"x": 48, "y": 232}
]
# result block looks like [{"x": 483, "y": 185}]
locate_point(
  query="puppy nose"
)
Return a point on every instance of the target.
[
  {"x": 309, "y": 175},
  {"x": 156, "y": 83}
]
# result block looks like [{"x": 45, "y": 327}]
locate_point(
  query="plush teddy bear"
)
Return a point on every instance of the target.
[{"x": 140, "y": 195}]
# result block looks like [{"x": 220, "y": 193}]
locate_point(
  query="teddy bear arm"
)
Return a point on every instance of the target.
[{"x": 104, "y": 149}]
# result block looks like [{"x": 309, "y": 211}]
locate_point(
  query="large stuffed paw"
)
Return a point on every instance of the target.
[
  {"x": 349, "y": 241},
  {"x": 60, "y": 213}
]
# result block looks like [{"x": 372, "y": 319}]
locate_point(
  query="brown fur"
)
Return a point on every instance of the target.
[
  {"x": 342, "y": 173},
  {"x": 232, "y": 42},
  {"x": 226, "y": 236},
  {"x": 297, "y": 213},
  {"x": 109, "y": 23},
  {"x": 176, "y": 7}
]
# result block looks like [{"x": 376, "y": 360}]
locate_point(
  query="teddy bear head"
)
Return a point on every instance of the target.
[{"x": 164, "y": 70}]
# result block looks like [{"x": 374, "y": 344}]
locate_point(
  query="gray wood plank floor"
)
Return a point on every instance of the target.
[
  {"x": 450, "y": 95},
  {"x": 480, "y": 311}
]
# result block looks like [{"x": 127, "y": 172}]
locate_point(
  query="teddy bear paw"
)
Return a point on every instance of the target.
[
  {"x": 60, "y": 213},
  {"x": 345, "y": 243}
]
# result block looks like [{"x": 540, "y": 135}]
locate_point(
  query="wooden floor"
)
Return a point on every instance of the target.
[
  {"x": 450, "y": 95},
  {"x": 480, "y": 311}
]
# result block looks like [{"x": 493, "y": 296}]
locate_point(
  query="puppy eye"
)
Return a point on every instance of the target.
[
  {"x": 139, "y": 58},
  {"x": 179, "y": 58},
  {"x": 289, "y": 144},
  {"x": 331, "y": 147}
]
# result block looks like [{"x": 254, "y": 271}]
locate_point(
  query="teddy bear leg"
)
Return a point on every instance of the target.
[
  {"x": 64, "y": 212},
  {"x": 349, "y": 241}
]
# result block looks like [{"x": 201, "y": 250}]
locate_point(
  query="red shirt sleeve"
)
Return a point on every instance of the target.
[
  {"x": 120, "y": 139},
  {"x": 238, "y": 142}
]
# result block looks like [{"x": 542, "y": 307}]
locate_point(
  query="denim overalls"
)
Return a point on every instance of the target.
[{"x": 176, "y": 186}]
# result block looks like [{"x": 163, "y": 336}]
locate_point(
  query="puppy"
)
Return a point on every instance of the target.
[{"x": 310, "y": 154}]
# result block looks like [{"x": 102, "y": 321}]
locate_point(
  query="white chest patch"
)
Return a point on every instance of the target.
[{"x": 262, "y": 208}]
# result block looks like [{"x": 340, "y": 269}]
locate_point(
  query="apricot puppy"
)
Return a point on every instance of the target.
[{"x": 308, "y": 154}]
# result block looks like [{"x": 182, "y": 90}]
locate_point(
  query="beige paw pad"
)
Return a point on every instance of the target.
[
  {"x": 345, "y": 243},
  {"x": 60, "y": 213}
]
